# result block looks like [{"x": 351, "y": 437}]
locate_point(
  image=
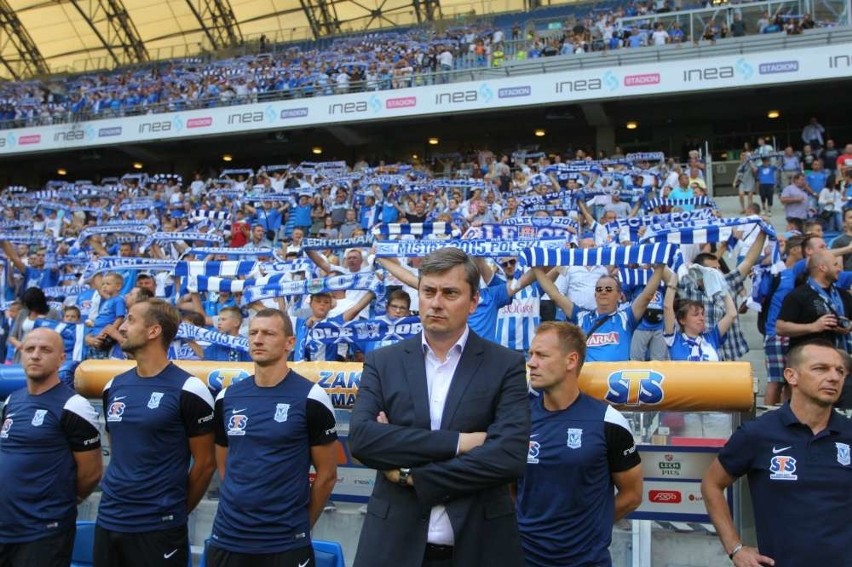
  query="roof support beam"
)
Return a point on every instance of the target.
[
  {"x": 28, "y": 60},
  {"x": 322, "y": 17},
  {"x": 217, "y": 21},
  {"x": 426, "y": 10},
  {"x": 114, "y": 28}
]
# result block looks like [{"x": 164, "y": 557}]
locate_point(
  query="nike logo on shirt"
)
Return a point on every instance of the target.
[
  {"x": 305, "y": 563},
  {"x": 775, "y": 451},
  {"x": 118, "y": 398},
  {"x": 169, "y": 554},
  {"x": 234, "y": 411}
]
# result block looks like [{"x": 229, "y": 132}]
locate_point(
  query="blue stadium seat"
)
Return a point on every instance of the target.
[
  {"x": 328, "y": 553},
  {"x": 84, "y": 542}
]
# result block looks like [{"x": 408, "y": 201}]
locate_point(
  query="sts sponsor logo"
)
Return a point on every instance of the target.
[
  {"x": 237, "y": 423},
  {"x": 116, "y": 409},
  {"x": 783, "y": 467},
  {"x": 635, "y": 387},
  {"x": 535, "y": 447},
  {"x": 7, "y": 425}
]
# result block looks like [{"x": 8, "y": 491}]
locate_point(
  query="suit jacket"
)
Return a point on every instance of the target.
[{"x": 488, "y": 393}]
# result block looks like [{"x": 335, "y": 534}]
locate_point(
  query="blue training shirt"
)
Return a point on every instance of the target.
[
  {"x": 566, "y": 496},
  {"x": 39, "y": 474},
  {"x": 610, "y": 342},
  {"x": 150, "y": 421},
  {"x": 800, "y": 483},
  {"x": 269, "y": 433}
]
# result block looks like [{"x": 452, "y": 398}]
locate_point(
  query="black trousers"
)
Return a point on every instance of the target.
[
  {"x": 218, "y": 557},
  {"x": 161, "y": 548},
  {"x": 52, "y": 551}
]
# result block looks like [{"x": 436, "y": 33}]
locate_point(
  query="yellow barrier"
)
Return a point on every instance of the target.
[{"x": 679, "y": 386}]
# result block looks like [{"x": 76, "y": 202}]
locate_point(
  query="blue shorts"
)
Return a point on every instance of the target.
[{"x": 775, "y": 347}]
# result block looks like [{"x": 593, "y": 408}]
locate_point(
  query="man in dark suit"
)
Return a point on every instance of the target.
[{"x": 445, "y": 416}]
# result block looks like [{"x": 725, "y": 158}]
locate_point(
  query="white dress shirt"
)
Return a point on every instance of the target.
[
  {"x": 439, "y": 376},
  {"x": 577, "y": 283}
]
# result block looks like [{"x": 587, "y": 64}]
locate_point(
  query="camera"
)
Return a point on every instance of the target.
[{"x": 844, "y": 323}]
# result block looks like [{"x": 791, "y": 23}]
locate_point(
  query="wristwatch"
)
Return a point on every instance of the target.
[{"x": 404, "y": 473}]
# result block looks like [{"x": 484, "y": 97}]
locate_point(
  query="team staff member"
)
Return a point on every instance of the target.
[
  {"x": 580, "y": 449},
  {"x": 269, "y": 429},
  {"x": 799, "y": 470},
  {"x": 158, "y": 417},
  {"x": 51, "y": 458},
  {"x": 423, "y": 409},
  {"x": 609, "y": 329}
]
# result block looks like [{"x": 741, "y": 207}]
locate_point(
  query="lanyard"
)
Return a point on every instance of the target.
[{"x": 831, "y": 297}]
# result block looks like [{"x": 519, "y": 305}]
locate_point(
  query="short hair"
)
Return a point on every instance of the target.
[
  {"x": 143, "y": 277},
  {"x": 286, "y": 323},
  {"x": 161, "y": 312},
  {"x": 192, "y": 317},
  {"x": 796, "y": 355},
  {"x": 116, "y": 276},
  {"x": 796, "y": 223},
  {"x": 811, "y": 224},
  {"x": 235, "y": 311},
  {"x": 609, "y": 277},
  {"x": 445, "y": 259},
  {"x": 143, "y": 293},
  {"x": 808, "y": 239},
  {"x": 34, "y": 300},
  {"x": 793, "y": 242},
  {"x": 703, "y": 257},
  {"x": 571, "y": 338},
  {"x": 684, "y": 306},
  {"x": 400, "y": 295},
  {"x": 71, "y": 309}
]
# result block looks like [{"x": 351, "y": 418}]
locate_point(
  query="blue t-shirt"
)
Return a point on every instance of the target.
[
  {"x": 566, "y": 497},
  {"x": 39, "y": 474},
  {"x": 150, "y": 421},
  {"x": 703, "y": 348},
  {"x": 303, "y": 215},
  {"x": 800, "y": 483},
  {"x": 817, "y": 180},
  {"x": 269, "y": 433},
  {"x": 483, "y": 321},
  {"x": 43, "y": 278},
  {"x": 110, "y": 310},
  {"x": 389, "y": 212},
  {"x": 766, "y": 174},
  {"x": 611, "y": 341},
  {"x": 678, "y": 194},
  {"x": 223, "y": 353}
]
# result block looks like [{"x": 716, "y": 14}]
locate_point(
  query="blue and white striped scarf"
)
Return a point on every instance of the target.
[
  {"x": 477, "y": 247},
  {"x": 113, "y": 263},
  {"x": 209, "y": 215},
  {"x": 342, "y": 282},
  {"x": 186, "y": 236},
  {"x": 230, "y": 285},
  {"x": 233, "y": 252},
  {"x": 224, "y": 268},
  {"x": 337, "y": 244},
  {"x": 703, "y": 201},
  {"x": 65, "y": 290},
  {"x": 515, "y": 232},
  {"x": 379, "y": 329},
  {"x": 636, "y": 277},
  {"x": 636, "y": 223},
  {"x": 133, "y": 227},
  {"x": 564, "y": 222},
  {"x": 416, "y": 228},
  {"x": 27, "y": 238},
  {"x": 137, "y": 205},
  {"x": 193, "y": 333},
  {"x": 659, "y": 253}
]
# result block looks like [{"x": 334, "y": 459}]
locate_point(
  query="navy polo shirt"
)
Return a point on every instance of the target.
[
  {"x": 801, "y": 486},
  {"x": 566, "y": 497}
]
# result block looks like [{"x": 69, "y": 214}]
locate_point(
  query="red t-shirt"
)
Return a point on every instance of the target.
[{"x": 239, "y": 234}]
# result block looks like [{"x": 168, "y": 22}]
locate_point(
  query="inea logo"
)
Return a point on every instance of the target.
[
  {"x": 485, "y": 92},
  {"x": 375, "y": 103},
  {"x": 635, "y": 387}
]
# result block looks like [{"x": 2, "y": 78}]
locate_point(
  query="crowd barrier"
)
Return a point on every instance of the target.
[{"x": 664, "y": 386}]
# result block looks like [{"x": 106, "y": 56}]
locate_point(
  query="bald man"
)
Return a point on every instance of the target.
[{"x": 51, "y": 459}]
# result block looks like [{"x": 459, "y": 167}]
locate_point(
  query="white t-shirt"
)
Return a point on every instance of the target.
[{"x": 659, "y": 37}]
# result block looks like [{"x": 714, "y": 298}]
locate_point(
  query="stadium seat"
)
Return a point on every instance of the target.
[
  {"x": 84, "y": 541},
  {"x": 328, "y": 553}
]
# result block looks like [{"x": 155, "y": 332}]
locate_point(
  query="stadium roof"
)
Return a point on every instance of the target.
[{"x": 39, "y": 37}]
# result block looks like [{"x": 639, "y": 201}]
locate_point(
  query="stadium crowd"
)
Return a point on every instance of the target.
[
  {"x": 630, "y": 247},
  {"x": 378, "y": 61}
]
